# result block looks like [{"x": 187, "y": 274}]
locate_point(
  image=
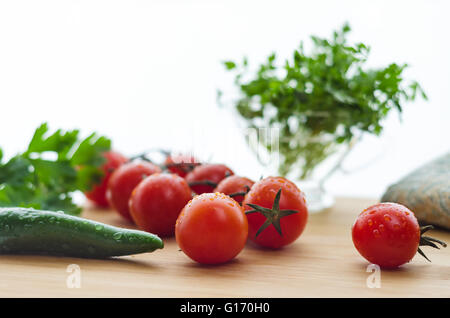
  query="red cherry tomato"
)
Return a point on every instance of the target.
[
  {"x": 234, "y": 185},
  {"x": 388, "y": 234},
  {"x": 212, "y": 228},
  {"x": 98, "y": 192},
  {"x": 123, "y": 181},
  {"x": 285, "y": 214},
  {"x": 180, "y": 164},
  {"x": 205, "y": 178},
  {"x": 157, "y": 201}
]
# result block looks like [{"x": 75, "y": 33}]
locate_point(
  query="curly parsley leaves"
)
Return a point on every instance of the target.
[{"x": 321, "y": 99}]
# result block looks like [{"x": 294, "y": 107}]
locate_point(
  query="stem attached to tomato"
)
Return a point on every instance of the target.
[
  {"x": 202, "y": 182},
  {"x": 185, "y": 166},
  {"x": 273, "y": 215},
  {"x": 242, "y": 193},
  {"x": 428, "y": 241}
]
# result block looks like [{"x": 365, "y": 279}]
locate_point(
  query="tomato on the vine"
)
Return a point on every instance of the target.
[
  {"x": 123, "y": 181},
  {"x": 98, "y": 192},
  {"x": 276, "y": 211},
  {"x": 181, "y": 164},
  {"x": 157, "y": 201},
  {"x": 205, "y": 178},
  {"x": 212, "y": 228},
  {"x": 235, "y": 187},
  {"x": 388, "y": 234}
]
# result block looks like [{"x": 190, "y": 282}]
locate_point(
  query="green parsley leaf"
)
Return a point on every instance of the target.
[
  {"x": 52, "y": 168},
  {"x": 320, "y": 99},
  {"x": 229, "y": 65}
]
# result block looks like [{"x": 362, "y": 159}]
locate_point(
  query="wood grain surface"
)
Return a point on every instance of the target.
[{"x": 322, "y": 263}]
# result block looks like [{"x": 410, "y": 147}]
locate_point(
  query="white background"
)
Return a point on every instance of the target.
[{"x": 145, "y": 73}]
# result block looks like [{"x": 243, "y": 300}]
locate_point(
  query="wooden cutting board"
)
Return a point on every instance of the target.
[{"x": 322, "y": 263}]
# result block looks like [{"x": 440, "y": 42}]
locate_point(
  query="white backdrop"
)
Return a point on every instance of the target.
[{"x": 145, "y": 73}]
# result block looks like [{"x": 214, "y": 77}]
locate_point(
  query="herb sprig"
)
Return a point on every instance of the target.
[
  {"x": 320, "y": 100},
  {"x": 52, "y": 168}
]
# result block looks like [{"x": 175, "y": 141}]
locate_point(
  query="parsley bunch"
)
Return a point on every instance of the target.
[
  {"x": 51, "y": 169},
  {"x": 320, "y": 100}
]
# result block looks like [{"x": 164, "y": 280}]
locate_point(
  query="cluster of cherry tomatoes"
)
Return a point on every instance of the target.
[{"x": 211, "y": 211}]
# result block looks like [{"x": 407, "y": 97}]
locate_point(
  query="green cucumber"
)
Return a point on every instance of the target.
[{"x": 30, "y": 231}]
